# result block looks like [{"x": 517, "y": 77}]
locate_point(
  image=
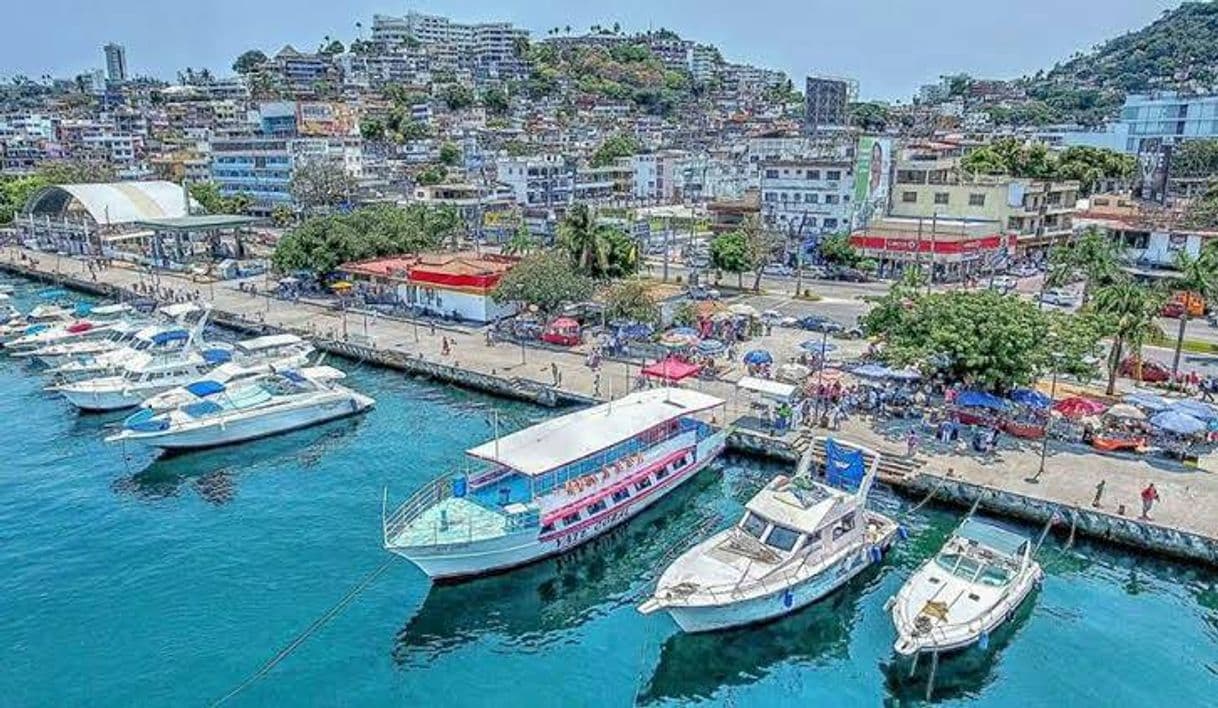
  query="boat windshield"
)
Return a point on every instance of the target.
[
  {"x": 973, "y": 569},
  {"x": 782, "y": 538},
  {"x": 754, "y": 525}
]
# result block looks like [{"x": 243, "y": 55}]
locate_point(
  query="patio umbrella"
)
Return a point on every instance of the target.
[
  {"x": 1196, "y": 409},
  {"x": 676, "y": 340},
  {"x": 1149, "y": 401},
  {"x": 793, "y": 372},
  {"x": 872, "y": 371},
  {"x": 635, "y": 330},
  {"x": 1126, "y": 411},
  {"x": 1078, "y": 407},
  {"x": 684, "y": 332},
  {"x": 711, "y": 347},
  {"x": 1030, "y": 398},
  {"x": 1178, "y": 423},
  {"x": 815, "y": 346},
  {"x": 757, "y": 357},
  {"x": 743, "y": 310},
  {"x": 980, "y": 399}
]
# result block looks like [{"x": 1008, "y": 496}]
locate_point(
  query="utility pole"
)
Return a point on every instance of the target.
[
  {"x": 667, "y": 244},
  {"x": 930, "y": 276}
]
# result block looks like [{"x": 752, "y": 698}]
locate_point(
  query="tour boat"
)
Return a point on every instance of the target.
[
  {"x": 958, "y": 598},
  {"x": 799, "y": 539},
  {"x": 549, "y": 488},
  {"x": 222, "y": 415},
  {"x": 233, "y": 374}
]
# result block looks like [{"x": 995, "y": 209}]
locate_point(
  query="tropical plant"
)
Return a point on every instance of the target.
[
  {"x": 1092, "y": 254},
  {"x": 596, "y": 249},
  {"x": 450, "y": 154},
  {"x": 322, "y": 243},
  {"x": 729, "y": 253},
  {"x": 1130, "y": 310},
  {"x": 613, "y": 147},
  {"x": 631, "y": 300},
  {"x": 320, "y": 185},
  {"x": 249, "y": 61},
  {"x": 838, "y": 250},
  {"x": 522, "y": 242},
  {"x": 282, "y": 215},
  {"x": 544, "y": 280},
  {"x": 1198, "y": 276}
]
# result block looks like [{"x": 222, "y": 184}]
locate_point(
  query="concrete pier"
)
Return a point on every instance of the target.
[{"x": 1184, "y": 525}]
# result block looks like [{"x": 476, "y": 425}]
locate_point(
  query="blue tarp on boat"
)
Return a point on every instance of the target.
[
  {"x": 217, "y": 356},
  {"x": 757, "y": 357},
  {"x": 844, "y": 466},
  {"x": 980, "y": 399},
  {"x": 173, "y": 335},
  {"x": 205, "y": 388},
  {"x": 1030, "y": 398}
]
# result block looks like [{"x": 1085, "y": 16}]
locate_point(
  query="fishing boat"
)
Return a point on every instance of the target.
[
  {"x": 976, "y": 582},
  {"x": 799, "y": 539},
  {"x": 549, "y": 488},
  {"x": 268, "y": 405}
]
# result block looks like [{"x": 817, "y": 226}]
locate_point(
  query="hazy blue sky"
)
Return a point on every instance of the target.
[{"x": 891, "y": 46}]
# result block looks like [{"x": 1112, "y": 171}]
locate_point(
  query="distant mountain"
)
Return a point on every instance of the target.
[{"x": 1177, "y": 51}]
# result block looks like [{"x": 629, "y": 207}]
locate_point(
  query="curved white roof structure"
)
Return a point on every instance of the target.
[{"x": 112, "y": 202}]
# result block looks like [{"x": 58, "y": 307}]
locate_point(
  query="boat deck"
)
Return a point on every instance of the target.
[{"x": 466, "y": 521}]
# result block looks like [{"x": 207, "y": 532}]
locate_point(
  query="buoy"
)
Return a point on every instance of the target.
[
  {"x": 984, "y": 642},
  {"x": 788, "y": 598},
  {"x": 877, "y": 554},
  {"x": 902, "y": 533}
]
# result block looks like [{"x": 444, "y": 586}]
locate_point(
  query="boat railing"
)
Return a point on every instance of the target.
[{"x": 424, "y": 498}]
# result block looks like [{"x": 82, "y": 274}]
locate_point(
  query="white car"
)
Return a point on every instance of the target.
[
  {"x": 777, "y": 269},
  {"x": 1061, "y": 298},
  {"x": 1003, "y": 284},
  {"x": 1025, "y": 271}
]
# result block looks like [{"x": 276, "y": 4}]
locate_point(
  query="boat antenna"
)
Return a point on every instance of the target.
[{"x": 496, "y": 423}]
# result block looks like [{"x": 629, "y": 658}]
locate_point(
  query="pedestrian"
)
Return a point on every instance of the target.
[
  {"x": 444, "y": 350},
  {"x": 911, "y": 442},
  {"x": 554, "y": 372},
  {"x": 1150, "y": 495},
  {"x": 1099, "y": 493}
]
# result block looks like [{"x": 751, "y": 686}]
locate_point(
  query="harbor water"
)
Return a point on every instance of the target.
[{"x": 132, "y": 580}]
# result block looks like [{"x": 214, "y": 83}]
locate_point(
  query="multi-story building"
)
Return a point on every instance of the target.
[
  {"x": 116, "y": 63},
  {"x": 488, "y": 49},
  {"x": 301, "y": 73},
  {"x": 655, "y": 175},
  {"x": 826, "y": 101},
  {"x": 1151, "y": 238},
  {"x": 485, "y": 210},
  {"x": 704, "y": 61},
  {"x": 930, "y": 185},
  {"x": 255, "y": 163},
  {"x": 605, "y": 183},
  {"x": 807, "y": 196},
  {"x": 1167, "y": 118},
  {"x": 538, "y": 181}
]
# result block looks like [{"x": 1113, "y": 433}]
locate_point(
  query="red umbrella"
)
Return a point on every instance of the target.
[{"x": 1078, "y": 407}]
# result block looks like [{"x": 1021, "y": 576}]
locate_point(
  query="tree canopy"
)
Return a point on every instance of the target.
[
  {"x": 322, "y": 185},
  {"x": 1087, "y": 165},
  {"x": 631, "y": 300},
  {"x": 248, "y": 61},
  {"x": 544, "y": 280},
  {"x": 613, "y": 147},
  {"x": 322, "y": 243},
  {"x": 596, "y": 249}
]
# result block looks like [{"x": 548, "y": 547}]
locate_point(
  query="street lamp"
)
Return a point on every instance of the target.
[{"x": 1044, "y": 443}]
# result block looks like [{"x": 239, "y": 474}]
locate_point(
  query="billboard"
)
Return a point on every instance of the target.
[
  {"x": 872, "y": 173},
  {"x": 325, "y": 119},
  {"x": 1154, "y": 170}
]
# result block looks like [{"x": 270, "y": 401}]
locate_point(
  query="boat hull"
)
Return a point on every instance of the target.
[
  {"x": 783, "y": 601},
  {"x": 461, "y": 561}
]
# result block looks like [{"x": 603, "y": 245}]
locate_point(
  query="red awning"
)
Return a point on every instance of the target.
[
  {"x": 1077, "y": 407},
  {"x": 671, "y": 370}
]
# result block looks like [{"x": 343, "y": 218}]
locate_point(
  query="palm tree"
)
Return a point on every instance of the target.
[
  {"x": 1131, "y": 309},
  {"x": 521, "y": 243},
  {"x": 1198, "y": 276},
  {"x": 1094, "y": 254},
  {"x": 581, "y": 237}
]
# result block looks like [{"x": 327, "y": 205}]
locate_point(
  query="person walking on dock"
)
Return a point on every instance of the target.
[
  {"x": 1099, "y": 493},
  {"x": 1150, "y": 495},
  {"x": 911, "y": 443}
]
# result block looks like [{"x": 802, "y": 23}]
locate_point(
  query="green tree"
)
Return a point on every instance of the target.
[
  {"x": 208, "y": 195},
  {"x": 335, "y": 47},
  {"x": 282, "y": 215},
  {"x": 584, "y": 240},
  {"x": 729, "y": 253},
  {"x": 429, "y": 175},
  {"x": 623, "y": 253},
  {"x": 450, "y": 154},
  {"x": 838, "y": 250},
  {"x": 613, "y": 147},
  {"x": 249, "y": 61},
  {"x": 1195, "y": 158},
  {"x": 1093, "y": 254},
  {"x": 1010, "y": 156},
  {"x": 319, "y": 185},
  {"x": 372, "y": 129},
  {"x": 1199, "y": 276},
  {"x": 322, "y": 243},
  {"x": 870, "y": 116},
  {"x": 457, "y": 97},
  {"x": 496, "y": 101},
  {"x": 631, "y": 300},
  {"x": 15, "y": 192},
  {"x": 761, "y": 245},
  {"x": 521, "y": 243},
  {"x": 1089, "y": 165},
  {"x": 1130, "y": 310},
  {"x": 544, "y": 280}
]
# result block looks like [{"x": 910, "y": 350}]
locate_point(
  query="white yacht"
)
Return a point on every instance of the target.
[
  {"x": 975, "y": 583},
  {"x": 68, "y": 332},
  {"x": 549, "y": 488},
  {"x": 155, "y": 340},
  {"x": 142, "y": 378},
  {"x": 119, "y": 335},
  {"x": 222, "y": 415},
  {"x": 41, "y": 318},
  {"x": 232, "y": 375},
  {"x": 799, "y": 540}
]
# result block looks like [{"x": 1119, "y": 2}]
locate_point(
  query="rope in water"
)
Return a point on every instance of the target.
[
  {"x": 308, "y": 631},
  {"x": 933, "y": 491}
]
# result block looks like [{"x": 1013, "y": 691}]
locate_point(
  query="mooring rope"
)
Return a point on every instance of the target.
[
  {"x": 933, "y": 491},
  {"x": 300, "y": 638}
]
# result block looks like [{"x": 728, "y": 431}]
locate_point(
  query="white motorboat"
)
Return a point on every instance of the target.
[
  {"x": 556, "y": 485},
  {"x": 41, "y": 318},
  {"x": 799, "y": 540},
  {"x": 232, "y": 375},
  {"x": 120, "y": 334},
  {"x": 222, "y": 415},
  {"x": 142, "y": 378},
  {"x": 976, "y": 582},
  {"x": 74, "y": 331},
  {"x": 155, "y": 340}
]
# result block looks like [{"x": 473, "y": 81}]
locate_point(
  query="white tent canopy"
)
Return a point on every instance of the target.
[{"x": 770, "y": 389}]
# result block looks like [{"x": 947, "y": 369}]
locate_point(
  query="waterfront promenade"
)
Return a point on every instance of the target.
[{"x": 1183, "y": 523}]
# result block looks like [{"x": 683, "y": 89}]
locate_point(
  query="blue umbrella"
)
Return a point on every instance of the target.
[
  {"x": 1030, "y": 398},
  {"x": 1196, "y": 409},
  {"x": 711, "y": 347},
  {"x": 817, "y": 347},
  {"x": 1149, "y": 401},
  {"x": 872, "y": 371},
  {"x": 635, "y": 330},
  {"x": 980, "y": 399},
  {"x": 1178, "y": 423},
  {"x": 757, "y": 357}
]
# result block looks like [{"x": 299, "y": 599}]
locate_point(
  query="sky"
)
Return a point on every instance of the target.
[{"x": 890, "y": 46}]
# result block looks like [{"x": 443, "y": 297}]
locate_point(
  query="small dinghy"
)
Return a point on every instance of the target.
[
  {"x": 958, "y": 598},
  {"x": 799, "y": 540}
]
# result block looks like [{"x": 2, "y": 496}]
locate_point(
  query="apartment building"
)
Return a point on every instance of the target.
[
  {"x": 826, "y": 102},
  {"x": 930, "y": 185},
  {"x": 545, "y": 181},
  {"x": 488, "y": 49},
  {"x": 807, "y": 196},
  {"x": 1166, "y": 118}
]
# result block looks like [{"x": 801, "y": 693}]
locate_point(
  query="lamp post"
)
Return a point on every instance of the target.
[
  {"x": 820, "y": 374},
  {"x": 1044, "y": 444}
]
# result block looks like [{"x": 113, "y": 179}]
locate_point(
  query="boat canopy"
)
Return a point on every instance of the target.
[
  {"x": 270, "y": 341},
  {"x": 989, "y": 534},
  {"x": 205, "y": 388},
  {"x": 173, "y": 335},
  {"x": 561, "y": 441},
  {"x": 217, "y": 356}
]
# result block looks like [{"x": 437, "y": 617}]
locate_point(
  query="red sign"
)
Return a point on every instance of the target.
[{"x": 908, "y": 244}]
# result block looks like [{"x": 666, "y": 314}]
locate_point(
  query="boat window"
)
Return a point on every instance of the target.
[
  {"x": 782, "y": 538},
  {"x": 848, "y": 522},
  {"x": 814, "y": 539},
  {"x": 547, "y": 528},
  {"x": 570, "y": 519},
  {"x": 642, "y": 484},
  {"x": 753, "y": 525},
  {"x": 596, "y": 507},
  {"x": 995, "y": 576},
  {"x": 621, "y": 495},
  {"x": 661, "y": 474}
]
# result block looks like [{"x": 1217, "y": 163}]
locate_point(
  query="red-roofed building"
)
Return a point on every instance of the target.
[{"x": 439, "y": 283}]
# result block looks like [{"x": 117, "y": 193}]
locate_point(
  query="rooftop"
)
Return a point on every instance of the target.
[{"x": 200, "y": 222}]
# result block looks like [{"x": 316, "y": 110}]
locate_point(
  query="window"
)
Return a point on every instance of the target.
[
  {"x": 621, "y": 495},
  {"x": 831, "y": 199},
  {"x": 830, "y": 223},
  {"x": 813, "y": 198},
  {"x": 753, "y": 525},
  {"x": 1100, "y": 202},
  {"x": 570, "y": 519},
  {"x": 798, "y": 196},
  {"x": 782, "y": 538},
  {"x": 813, "y": 174},
  {"x": 909, "y": 197},
  {"x": 642, "y": 484},
  {"x": 833, "y": 175},
  {"x": 771, "y": 197},
  {"x": 771, "y": 174},
  {"x": 976, "y": 200},
  {"x": 663, "y": 473},
  {"x": 848, "y": 522},
  {"x": 941, "y": 197},
  {"x": 596, "y": 507}
]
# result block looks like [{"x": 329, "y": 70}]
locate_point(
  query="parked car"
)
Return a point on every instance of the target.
[
  {"x": 1003, "y": 283},
  {"x": 1152, "y": 371},
  {"x": 818, "y": 323},
  {"x": 701, "y": 293},
  {"x": 1173, "y": 309},
  {"x": 849, "y": 275},
  {"x": 1062, "y": 298},
  {"x": 815, "y": 273},
  {"x": 1026, "y": 270},
  {"x": 778, "y": 269}
]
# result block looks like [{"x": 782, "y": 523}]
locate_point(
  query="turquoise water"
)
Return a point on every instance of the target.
[{"x": 167, "y": 582}]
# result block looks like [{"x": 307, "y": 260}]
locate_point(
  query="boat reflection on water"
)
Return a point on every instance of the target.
[
  {"x": 696, "y": 667},
  {"x": 212, "y": 473},
  {"x": 960, "y": 675},
  {"x": 540, "y": 603}
]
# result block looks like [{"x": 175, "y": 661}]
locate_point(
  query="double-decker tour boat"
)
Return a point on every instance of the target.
[{"x": 551, "y": 487}]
